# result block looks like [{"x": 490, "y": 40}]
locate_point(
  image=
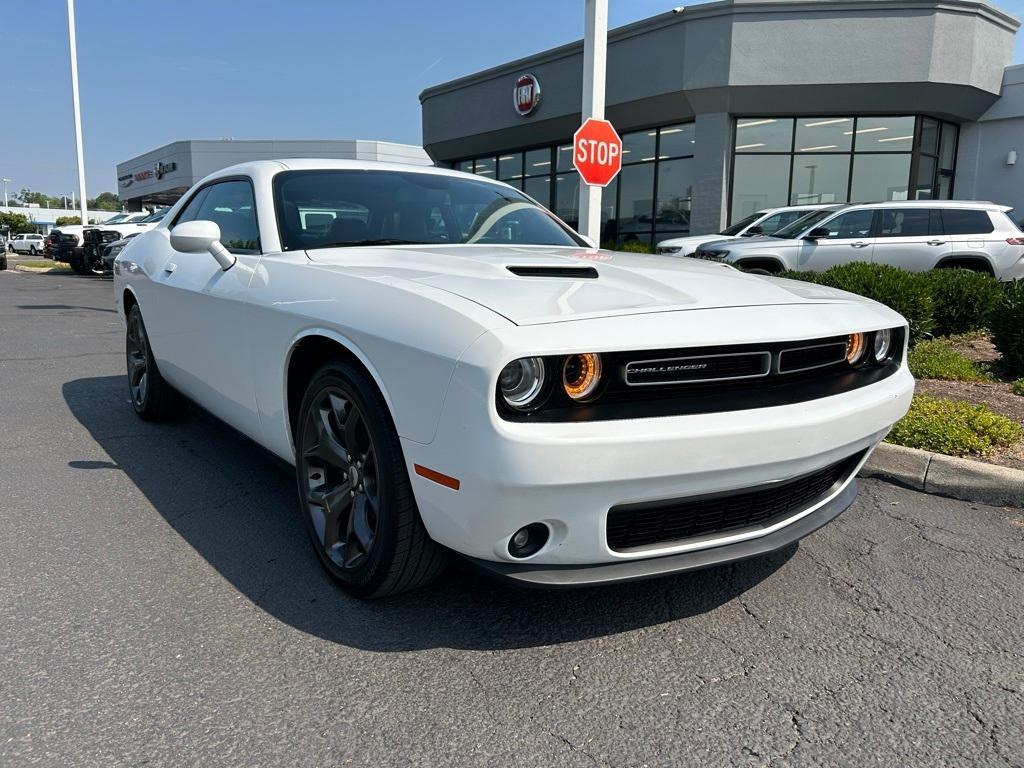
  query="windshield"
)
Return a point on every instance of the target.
[
  {"x": 116, "y": 219},
  {"x": 742, "y": 224},
  {"x": 337, "y": 208},
  {"x": 793, "y": 230},
  {"x": 154, "y": 217}
]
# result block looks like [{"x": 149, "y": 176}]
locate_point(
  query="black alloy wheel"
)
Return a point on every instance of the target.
[
  {"x": 354, "y": 489},
  {"x": 152, "y": 398}
]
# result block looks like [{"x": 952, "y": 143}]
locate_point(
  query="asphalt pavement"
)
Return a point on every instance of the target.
[{"x": 160, "y": 606}]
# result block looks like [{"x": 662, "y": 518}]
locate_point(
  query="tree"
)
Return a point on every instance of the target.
[
  {"x": 68, "y": 220},
  {"x": 43, "y": 200},
  {"x": 105, "y": 201},
  {"x": 18, "y": 223}
]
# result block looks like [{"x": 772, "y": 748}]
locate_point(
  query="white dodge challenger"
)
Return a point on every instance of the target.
[{"x": 450, "y": 368}]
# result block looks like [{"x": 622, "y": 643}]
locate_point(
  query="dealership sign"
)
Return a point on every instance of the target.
[
  {"x": 158, "y": 171},
  {"x": 526, "y": 94},
  {"x": 597, "y": 152}
]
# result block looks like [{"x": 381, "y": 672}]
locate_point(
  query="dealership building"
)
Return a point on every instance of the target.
[
  {"x": 163, "y": 175},
  {"x": 729, "y": 107}
]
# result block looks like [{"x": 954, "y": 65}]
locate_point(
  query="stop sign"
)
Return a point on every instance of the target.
[{"x": 597, "y": 152}]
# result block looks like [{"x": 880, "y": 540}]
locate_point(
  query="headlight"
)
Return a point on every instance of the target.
[
  {"x": 856, "y": 348},
  {"x": 712, "y": 255},
  {"x": 521, "y": 382},
  {"x": 581, "y": 375},
  {"x": 882, "y": 348},
  {"x": 668, "y": 249}
]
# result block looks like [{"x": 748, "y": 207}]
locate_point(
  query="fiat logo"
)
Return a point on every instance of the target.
[{"x": 527, "y": 94}]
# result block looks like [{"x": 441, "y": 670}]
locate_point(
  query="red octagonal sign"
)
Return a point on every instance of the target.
[{"x": 597, "y": 152}]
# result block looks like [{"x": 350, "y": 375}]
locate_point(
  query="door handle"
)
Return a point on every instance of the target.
[
  {"x": 860, "y": 245},
  {"x": 170, "y": 267},
  {"x": 936, "y": 242}
]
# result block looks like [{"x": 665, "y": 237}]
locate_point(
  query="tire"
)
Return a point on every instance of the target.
[
  {"x": 32, "y": 250},
  {"x": 360, "y": 514},
  {"x": 152, "y": 398},
  {"x": 77, "y": 265},
  {"x": 3, "y": 262}
]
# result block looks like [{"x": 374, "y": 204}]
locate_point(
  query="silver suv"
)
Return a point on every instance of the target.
[{"x": 913, "y": 235}]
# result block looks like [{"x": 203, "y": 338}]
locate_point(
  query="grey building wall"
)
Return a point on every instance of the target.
[
  {"x": 741, "y": 57},
  {"x": 982, "y": 172},
  {"x": 194, "y": 159}
]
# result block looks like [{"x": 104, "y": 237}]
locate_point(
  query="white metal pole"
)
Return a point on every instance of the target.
[
  {"x": 595, "y": 46},
  {"x": 78, "y": 113},
  {"x": 6, "y": 181}
]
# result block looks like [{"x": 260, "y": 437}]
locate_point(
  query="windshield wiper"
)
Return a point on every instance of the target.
[{"x": 379, "y": 241}]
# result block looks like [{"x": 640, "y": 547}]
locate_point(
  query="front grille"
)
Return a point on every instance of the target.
[
  {"x": 631, "y": 526},
  {"x": 706, "y": 368}
]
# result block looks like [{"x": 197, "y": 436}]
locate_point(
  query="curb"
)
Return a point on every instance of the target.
[
  {"x": 39, "y": 270},
  {"x": 946, "y": 475}
]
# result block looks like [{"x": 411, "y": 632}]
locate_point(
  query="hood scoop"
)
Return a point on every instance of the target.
[{"x": 572, "y": 273}]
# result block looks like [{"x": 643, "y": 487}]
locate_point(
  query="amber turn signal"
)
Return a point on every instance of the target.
[
  {"x": 856, "y": 347},
  {"x": 581, "y": 375}
]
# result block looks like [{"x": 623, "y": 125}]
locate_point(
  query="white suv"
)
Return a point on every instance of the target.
[
  {"x": 766, "y": 221},
  {"x": 913, "y": 235}
]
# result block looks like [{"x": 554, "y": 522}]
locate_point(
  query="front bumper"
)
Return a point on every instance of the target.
[{"x": 566, "y": 576}]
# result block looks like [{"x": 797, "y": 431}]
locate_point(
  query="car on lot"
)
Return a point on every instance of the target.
[
  {"x": 450, "y": 368},
  {"x": 31, "y": 243},
  {"x": 913, "y": 235},
  {"x": 109, "y": 252},
  {"x": 766, "y": 221},
  {"x": 98, "y": 240}
]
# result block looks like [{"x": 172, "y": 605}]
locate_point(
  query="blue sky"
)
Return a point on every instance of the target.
[{"x": 154, "y": 72}]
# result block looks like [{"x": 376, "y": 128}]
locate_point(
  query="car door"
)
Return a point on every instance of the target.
[
  {"x": 196, "y": 314},
  {"x": 848, "y": 240},
  {"x": 910, "y": 238}
]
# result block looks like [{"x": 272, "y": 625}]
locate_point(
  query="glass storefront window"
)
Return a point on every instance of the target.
[
  {"x": 885, "y": 134},
  {"x": 759, "y": 182},
  {"x": 879, "y": 178},
  {"x": 819, "y": 179},
  {"x": 929, "y": 136},
  {"x": 636, "y": 202},
  {"x": 638, "y": 147},
  {"x": 675, "y": 193},
  {"x": 485, "y": 166},
  {"x": 510, "y": 166},
  {"x": 947, "y": 148},
  {"x": 764, "y": 134},
  {"x": 824, "y": 134},
  {"x": 677, "y": 141},
  {"x": 563, "y": 160},
  {"x": 925, "y": 178},
  {"x": 466, "y": 166},
  {"x": 538, "y": 161},
  {"x": 539, "y": 188}
]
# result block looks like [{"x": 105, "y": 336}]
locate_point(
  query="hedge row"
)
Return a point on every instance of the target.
[{"x": 942, "y": 302}]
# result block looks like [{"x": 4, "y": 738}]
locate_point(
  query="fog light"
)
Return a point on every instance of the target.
[
  {"x": 855, "y": 348},
  {"x": 528, "y": 540}
]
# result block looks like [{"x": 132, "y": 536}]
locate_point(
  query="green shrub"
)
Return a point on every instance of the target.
[
  {"x": 1018, "y": 387},
  {"x": 1007, "y": 326},
  {"x": 906, "y": 292},
  {"x": 963, "y": 299},
  {"x": 634, "y": 246},
  {"x": 953, "y": 427},
  {"x": 796, "y": 274},
  {"x": 936, "y": 359}
]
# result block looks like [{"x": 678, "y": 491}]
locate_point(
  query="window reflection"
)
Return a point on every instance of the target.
[
  {"x": 819, "y": 179},
  {"x": 759, "y": 182},
  {"x": 767, "y": 134},
  {"x": 824, "y": 134},
  {"x": 885, "y": 134},
  {"x": 879, "y": 178}
]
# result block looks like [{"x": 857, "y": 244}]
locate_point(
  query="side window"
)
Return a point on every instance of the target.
[
  {"x": 963, "y": 221},
  {"x": 904, "y": 222},
  {"x": 231, "y": 206},
  {"x": 191, "y": 210},
  {"x": 852, "y": 224}
]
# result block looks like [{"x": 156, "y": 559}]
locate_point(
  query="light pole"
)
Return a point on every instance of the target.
[
  {"x": 6, "y": 181},
  {"x": 78, "y": 113},
  {"x": 595, "y": 46}
]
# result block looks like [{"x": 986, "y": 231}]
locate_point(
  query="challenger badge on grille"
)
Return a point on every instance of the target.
[{"x": 699, "y": 368}]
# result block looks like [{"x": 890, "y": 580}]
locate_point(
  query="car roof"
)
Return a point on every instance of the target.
[
  {"x": 936, "y": 204},
  {"x": 804, "y": 207},
  {"x": 260, "y": 167}
]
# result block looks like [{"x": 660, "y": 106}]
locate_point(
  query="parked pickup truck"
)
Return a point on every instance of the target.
[
  {"x": 31, "y": 243},
  {"x": 95, "y": 239}
]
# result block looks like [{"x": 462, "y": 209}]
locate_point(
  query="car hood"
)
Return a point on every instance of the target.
[
  {"x": 751, "y": 243},
  {"x": 689, "y": 244},
  {"x": 625, "y": 283}
]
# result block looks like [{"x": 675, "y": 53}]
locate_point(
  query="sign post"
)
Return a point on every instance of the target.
[
  {"x": 77, "y": 110},
  {"x": 595, "y": 45}
]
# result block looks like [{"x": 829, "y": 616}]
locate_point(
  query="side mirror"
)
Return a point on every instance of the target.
[
  {"x": 754, "y": 230},
  {"x": 202, "y": 237},
  {"x": 817, "y": 233}
]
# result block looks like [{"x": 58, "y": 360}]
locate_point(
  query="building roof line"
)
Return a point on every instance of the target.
[{"x": 682, "y": 15}]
